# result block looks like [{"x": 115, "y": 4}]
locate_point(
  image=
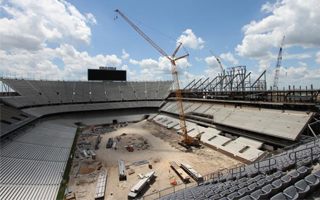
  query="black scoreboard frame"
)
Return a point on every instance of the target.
[{"x": 107, "y": 75}]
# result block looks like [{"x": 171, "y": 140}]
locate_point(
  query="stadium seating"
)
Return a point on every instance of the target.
[
  {"x": 32, "y": 163},
  {"x": 54, "y": 109},
  {"x": 295, "y": 183},
  {"x": 38, "y": 92},
  {"x": 33, "y": 158},
  {"x": 12, "y": 118}
]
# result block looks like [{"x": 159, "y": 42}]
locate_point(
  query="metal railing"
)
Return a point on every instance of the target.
[
  {"x": 168, "y": 190},
  {"x": 311, "y": 149}
]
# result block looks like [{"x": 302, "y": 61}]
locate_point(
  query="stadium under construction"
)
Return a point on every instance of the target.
[
  {"x": 224, "y": 137},
  {"x": 55, "y": 131}
]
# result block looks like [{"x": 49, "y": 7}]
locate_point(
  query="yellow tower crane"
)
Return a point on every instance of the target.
[{"x": 187, "y": 140}]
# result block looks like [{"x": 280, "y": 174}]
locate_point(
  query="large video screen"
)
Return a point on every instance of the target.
[{"x": 107, "y": 75}]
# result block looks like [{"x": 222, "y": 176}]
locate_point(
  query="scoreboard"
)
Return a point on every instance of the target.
[{"x": 107, "y": 75}]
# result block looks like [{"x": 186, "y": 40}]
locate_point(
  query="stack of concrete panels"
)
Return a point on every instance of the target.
[
  {"x": 101, "y": 186},
  {"x": 276, "y": 123},
  {"x": 244, "y": 149}
]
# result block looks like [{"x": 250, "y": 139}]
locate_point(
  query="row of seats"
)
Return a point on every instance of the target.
[
  {"x": 295, "y": 184},
  {"x": 300, "y": 189},
  {"x": 33, "y": 162},
  {"x": 37, "y": 92},
  {"x": 12, "y": 118},
  {"x": 286, "y": 174},
  {"x": 55, "y": 109}
]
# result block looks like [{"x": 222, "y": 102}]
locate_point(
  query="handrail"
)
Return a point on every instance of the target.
[{"x": 220, "y": 174}]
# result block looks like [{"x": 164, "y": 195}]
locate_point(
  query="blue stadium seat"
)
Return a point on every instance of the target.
[
  {"x": 256, "y": 195},
  {"x": 224, "y": 193},
  {"x": 291, "y": 193},
  {"x": 233, "y": 189},
  {"x": 252, "y": 187},
  {"x": 279, "y": 196},
  {"x": 312, "y": 181},
  {"x": 242, "y": 184},
  {"x": 277, "y": 174},
  {"x": 268, "y": 189},
  {"x": 304, "y": 171},
  {"x": 261, "y": 182},
  {"x": 302, "y": 187},
  {"x": 269, "y": 179},
  {"x": 247, "y": 197},
  {"x": 234, "y": 195},
  {"x": 286, "y": 180},
  {"x": 277, "y": 185},
  {"x": 295, "y": 175},
  {"x": 243, "y": 191}
]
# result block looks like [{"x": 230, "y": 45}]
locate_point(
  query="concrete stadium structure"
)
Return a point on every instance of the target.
[
  {"x": 35, "y": 149},
  {"x": 37, "y": 133}
]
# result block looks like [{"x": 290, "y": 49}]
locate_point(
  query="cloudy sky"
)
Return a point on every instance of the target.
[{"x": 50, "y": 39}]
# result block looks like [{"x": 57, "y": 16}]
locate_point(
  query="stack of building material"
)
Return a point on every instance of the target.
[
  {"x": 193, "y": 173},
  {"x": 135, "y": 190},
  {"x": 182, "y": 174},
  {"x": 122, "y": 170},
  {"x": 101, "y": 186}
]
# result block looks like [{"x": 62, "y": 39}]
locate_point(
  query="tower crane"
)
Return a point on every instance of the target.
[
  {"x": 278, "y": 65},
  {"x": 187, "y": 140}
]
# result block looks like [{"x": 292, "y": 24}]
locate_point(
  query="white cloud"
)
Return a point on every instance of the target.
[
  {"x": 298, "y": 20},
  {"x": 298, "y": 75},
  {"x": 90, "y": 18},
  {"x": 187, "y": 77},
  {"x": 198, "y": 59},
  {"x": 318, "y": 57},
  {"x": 42, "y": 63},
  {"x": 212, "y": 72},
  {"x": 229, "y": 58},
  {"x": 211, "y": 62},
  {"x": 158, "y": 69},
  {"x": 39, "y": 39},
  {"x": 125, "y": 55},
  {"x": 132, "y": 74},
  {"x": 297, "y": 56},
  {"x": 32, "y": 24},
  {"x": 189, "y": 39},
  {"x": 269, "y": 7}
]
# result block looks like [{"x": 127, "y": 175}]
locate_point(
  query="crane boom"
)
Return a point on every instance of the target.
[
  {"x": 219, "y": 62},
  {"x": 136, "y": 28},
  {"x": 187, "y": 139},
  {"x": 278, "y": 65}
]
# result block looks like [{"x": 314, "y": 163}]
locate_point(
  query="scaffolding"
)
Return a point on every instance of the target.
[
  {"x": 236, "y": 83},
  {"x": 233, "y": 79}
]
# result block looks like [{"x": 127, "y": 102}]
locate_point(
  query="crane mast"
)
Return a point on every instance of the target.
[
  {"x": 278, "y": 65},
  {"x": 187, "y": 139}
]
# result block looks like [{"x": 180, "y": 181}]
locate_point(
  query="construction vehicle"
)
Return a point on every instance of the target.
[
  {"x": 278, "y": 65},
  {"x": 187, "y": 141}
]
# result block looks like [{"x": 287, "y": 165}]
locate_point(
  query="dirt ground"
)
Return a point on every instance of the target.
[{"x": 154, "y": 144}]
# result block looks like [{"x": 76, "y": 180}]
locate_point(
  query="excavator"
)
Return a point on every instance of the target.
[{"x": 187, "y": 141}]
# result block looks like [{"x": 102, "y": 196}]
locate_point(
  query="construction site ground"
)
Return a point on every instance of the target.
[{"x": 152, "y": 144}]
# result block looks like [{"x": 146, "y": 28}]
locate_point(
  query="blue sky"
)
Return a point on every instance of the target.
[{"x": 61, "y": 39}]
